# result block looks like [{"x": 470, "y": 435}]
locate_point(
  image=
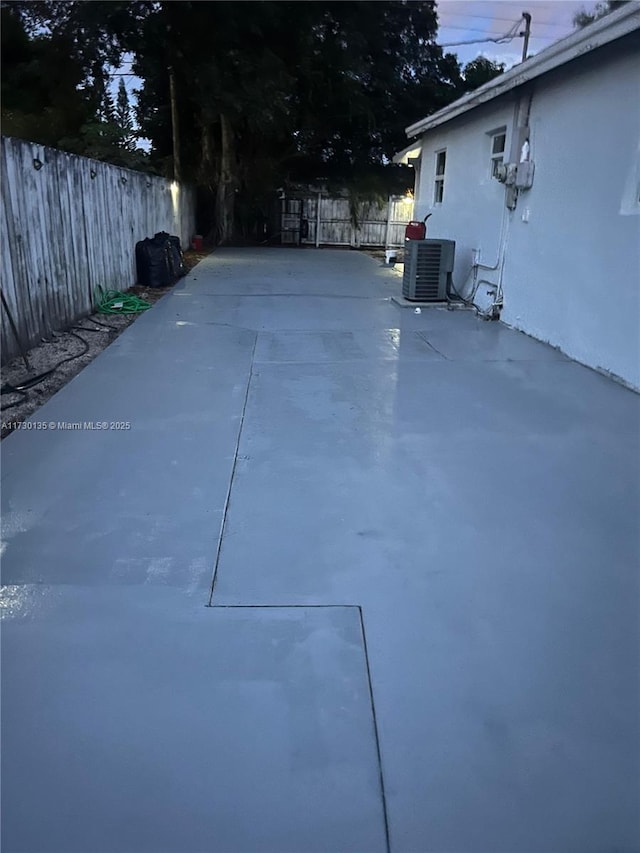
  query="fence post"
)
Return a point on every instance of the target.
[
  {"x": 388, "y": 232},
  {"x": 318, "y": 221}
]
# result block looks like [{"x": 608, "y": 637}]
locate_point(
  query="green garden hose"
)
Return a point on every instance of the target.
[{"x": 117, "y": 302}]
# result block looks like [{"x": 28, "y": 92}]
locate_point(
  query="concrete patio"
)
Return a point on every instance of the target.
[{"x": 353, "y": 580}]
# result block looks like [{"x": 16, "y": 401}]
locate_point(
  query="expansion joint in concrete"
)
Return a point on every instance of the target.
[
  {"x": 369, "y": 680},
  {"x": 223, "y": 523}
]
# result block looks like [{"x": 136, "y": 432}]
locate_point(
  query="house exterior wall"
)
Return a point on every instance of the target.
[
  {"x": 472, "y": 209},
  {"x": 571, "y": 273}
]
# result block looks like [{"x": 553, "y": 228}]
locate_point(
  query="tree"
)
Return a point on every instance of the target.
[
  {"x": 479, "y": 71},
  {"x": 266, "y": 92},
  {"x": 278, "y": 91},
  {"x": 55, "y": 73},
  {"x": 41, "y": 95},
  {"x": 95, "y": 34},
  {"x": 122, "y": 116},
  {"x": 584, "y": 18},
  {"x": 107, "y": 110}
]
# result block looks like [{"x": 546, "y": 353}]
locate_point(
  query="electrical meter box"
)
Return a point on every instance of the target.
[{"x": 524, "y": 175}]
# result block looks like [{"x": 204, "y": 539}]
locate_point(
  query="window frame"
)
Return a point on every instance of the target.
[
  {"x": 496, "y": 157},
  {"x": 439, "y": 177}
]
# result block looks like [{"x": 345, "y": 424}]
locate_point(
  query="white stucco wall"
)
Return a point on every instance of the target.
[
  {"x": 572, "y": 274},
  {"x": 572, "y": 271},
  {"x": 471, "y": 212}
]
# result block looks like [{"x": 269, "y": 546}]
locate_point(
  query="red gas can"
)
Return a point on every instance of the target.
[
  {"x": 196, "y": 243},
  {"x": 415, "y": 231}
]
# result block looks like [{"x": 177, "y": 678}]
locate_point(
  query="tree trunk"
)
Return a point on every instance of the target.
[
  {"x": 206, "y": 149},
  {"x": 207, "y": 180},
  {"x": 175, "y": 132},
  {"x": 225, "y": 199}
]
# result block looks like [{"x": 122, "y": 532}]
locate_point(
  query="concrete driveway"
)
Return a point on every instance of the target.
[{"x": 335, "y": 577}]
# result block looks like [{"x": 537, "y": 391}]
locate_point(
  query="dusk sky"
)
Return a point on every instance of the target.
[{"x": 461, "y": 20}]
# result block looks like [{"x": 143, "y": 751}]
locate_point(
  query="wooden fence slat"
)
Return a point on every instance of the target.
[
  {"x": 377, "y": 225},
  {"x": 70, "y": 226}
]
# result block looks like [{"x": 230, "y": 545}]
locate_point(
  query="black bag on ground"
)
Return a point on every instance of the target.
[
  {"x": 174, "y": 253},
  {"x": 159, "y": 261},
  {"x": 152, "y": 265}
]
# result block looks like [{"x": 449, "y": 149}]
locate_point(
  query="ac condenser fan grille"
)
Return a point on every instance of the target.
[{"x": 427, "y": 267}]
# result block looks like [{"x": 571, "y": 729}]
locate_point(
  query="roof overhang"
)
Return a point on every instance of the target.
[
  {"x": 609, "y": 28},
  {"x": 411, "y": 152}
]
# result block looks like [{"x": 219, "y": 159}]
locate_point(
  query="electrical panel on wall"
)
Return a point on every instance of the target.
[{"x": 524, "y": 175}]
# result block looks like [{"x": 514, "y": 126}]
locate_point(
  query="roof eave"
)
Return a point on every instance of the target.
[
  {"x": 609, "y": 28},
  {"x": 408, "y": 153}
]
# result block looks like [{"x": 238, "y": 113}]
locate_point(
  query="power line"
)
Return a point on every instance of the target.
[
  {"x": 442, "y": 26},
  {"x": 501, "y": 40},
  {"x": 466, "y": 29},
  {"x": 446, "y": 13},
  {"x": 491, "y": 33},
  {"x": 507, "y": 37}
]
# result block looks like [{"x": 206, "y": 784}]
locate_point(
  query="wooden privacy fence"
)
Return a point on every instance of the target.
[
  {"x": 70, "y": 224},
  {"x": 321, "y": 221}
]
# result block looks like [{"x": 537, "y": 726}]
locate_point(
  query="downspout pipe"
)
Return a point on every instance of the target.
[{"x": 521, "y": 117}]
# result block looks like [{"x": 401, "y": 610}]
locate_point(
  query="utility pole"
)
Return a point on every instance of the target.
[
  {"x": 177, "y": 167},
  {"x": 526, "y": 34}
]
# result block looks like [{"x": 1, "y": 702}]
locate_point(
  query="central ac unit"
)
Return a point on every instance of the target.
[{"x": 428, "y": 265}]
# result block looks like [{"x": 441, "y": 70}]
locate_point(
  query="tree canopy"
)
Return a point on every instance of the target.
[
  {"x": 265, "y": 92},
  {"x": 55, "y": 74}
]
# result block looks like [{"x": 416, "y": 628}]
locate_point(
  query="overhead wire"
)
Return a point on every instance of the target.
[
  {"x": 503, "y": 39},
  {"x": 467, "y": 29},
  {"x": 447, "y": 13},
  {"x": 541, "y": 38}
]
